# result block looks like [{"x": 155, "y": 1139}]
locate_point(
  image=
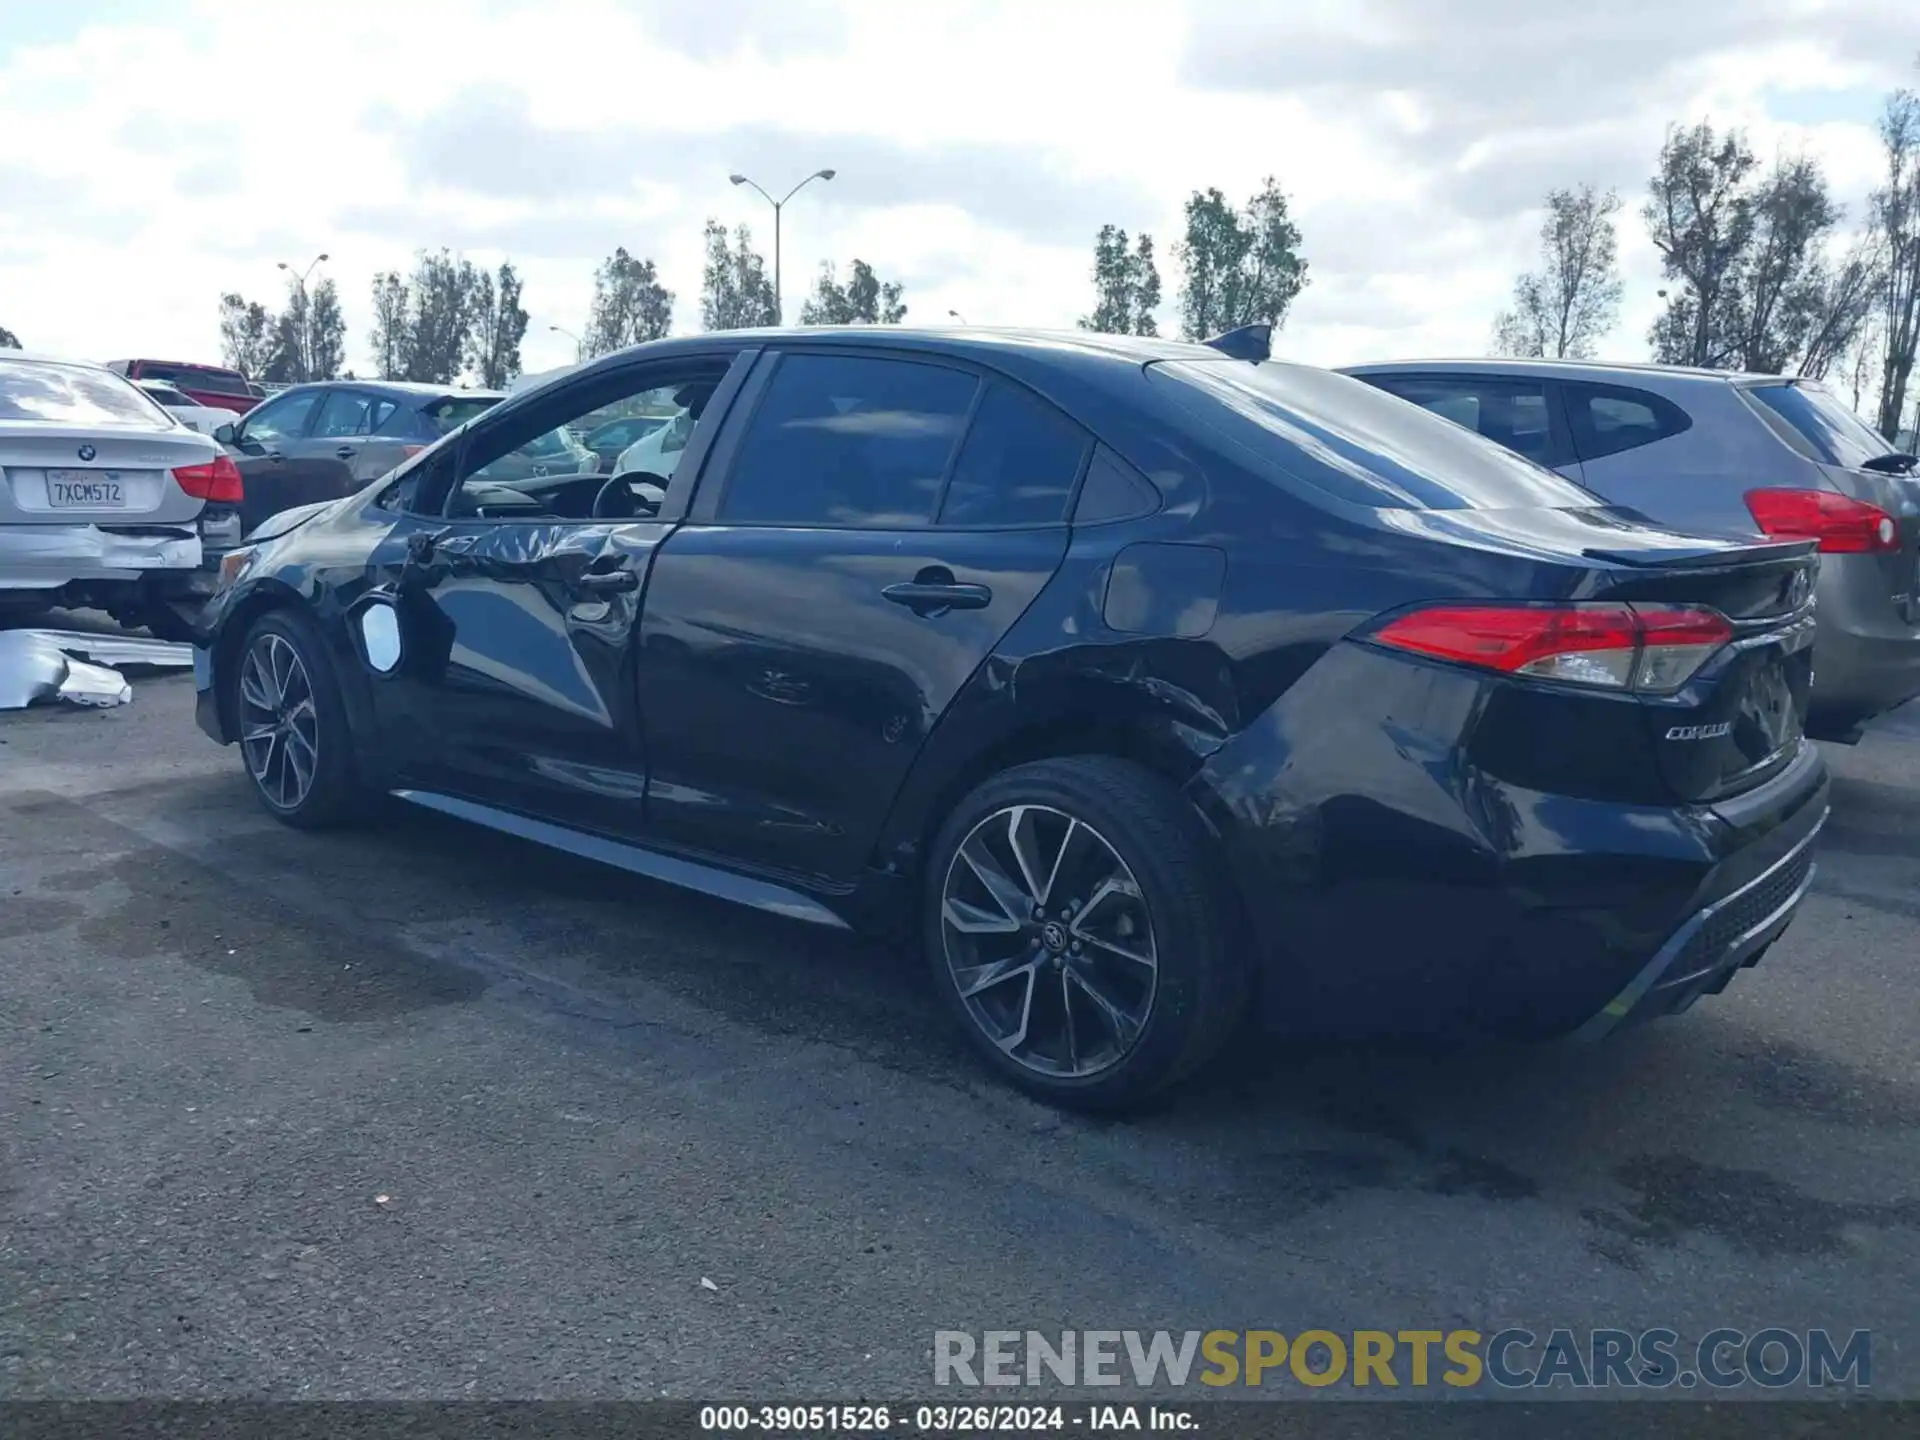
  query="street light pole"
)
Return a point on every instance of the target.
[
  {"x": 306, "y": 313},
  {"x": 579, "y": 347},
  {"x": 779, "y": 306},
  {"x": 958, "y": 316}
]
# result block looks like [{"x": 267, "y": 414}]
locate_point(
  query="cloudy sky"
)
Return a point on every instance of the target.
[{"x": 157, "y": 154}]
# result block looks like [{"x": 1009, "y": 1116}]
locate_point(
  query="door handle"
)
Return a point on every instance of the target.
[
  {"x": 606, "y": 582},
  {"x": 346, "y": 452},
  {"x": 936, "y": 597},
  {"x": 275, "y": 456}
]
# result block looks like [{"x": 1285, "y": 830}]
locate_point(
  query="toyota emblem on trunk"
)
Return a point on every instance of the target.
[{"x": 86, "y": 452}]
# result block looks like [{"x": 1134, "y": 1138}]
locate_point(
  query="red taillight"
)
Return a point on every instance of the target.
[
  {"x": 1842, "y": 525},
  {"x": 1609, "y": 645},
  {"x": 409, "y": 451},
  {"x": 218, "y": 480}
]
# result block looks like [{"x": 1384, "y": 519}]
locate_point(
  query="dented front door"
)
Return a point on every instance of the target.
[{"x": 514, "y": 642}]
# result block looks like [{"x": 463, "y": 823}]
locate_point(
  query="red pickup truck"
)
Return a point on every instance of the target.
[{"x": 202, "y": 384}]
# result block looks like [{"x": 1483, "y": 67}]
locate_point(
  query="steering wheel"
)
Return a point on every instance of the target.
[{"x": 616, "y": 499}]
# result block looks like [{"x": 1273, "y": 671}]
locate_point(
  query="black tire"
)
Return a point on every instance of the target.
[
  {"x": 1199, "y": 991},
  {"x": 334, "y": 794}
]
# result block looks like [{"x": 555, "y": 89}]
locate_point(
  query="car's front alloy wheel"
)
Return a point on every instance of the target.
[
  {"x": 279, "y": 721},
  {"x": 291, "y": 722},
  {"x": 1048, "y": 941}
]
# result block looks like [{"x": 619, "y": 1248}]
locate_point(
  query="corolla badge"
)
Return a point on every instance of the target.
[
  {"x": 86, "y": 452},
  {"x": 1700, "y": 732}
]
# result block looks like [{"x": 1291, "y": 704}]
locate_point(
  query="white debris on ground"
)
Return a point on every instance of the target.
[{"x": 73, "y": 666}]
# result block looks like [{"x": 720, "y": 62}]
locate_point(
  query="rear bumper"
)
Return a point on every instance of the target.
[
  {"x": 1857, "y": 676},
  {"x": 1866, "y": 658},
  {"x": 1392, "y": 885},
  {"x": 1725, "y": 934},
  {"x": 48, "y": 557}
]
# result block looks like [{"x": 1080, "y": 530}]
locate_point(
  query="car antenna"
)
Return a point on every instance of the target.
[{"x": 1248, "y": 342}]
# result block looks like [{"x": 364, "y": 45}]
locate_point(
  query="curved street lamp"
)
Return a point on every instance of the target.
[
  {"x": 306, "y": 312},
  {"x": 579, "y": 347},
  {"x": 780, "y": 311},
  {"x": 958, "y": 316}
]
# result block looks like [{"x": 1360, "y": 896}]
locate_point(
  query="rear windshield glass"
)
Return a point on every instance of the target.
[
  {"x": 195, "y": 377},
  {"x": 1836, "y": 434},
  {"x": 70, "y": 395},
  {"x": 1362, "y": 445}
]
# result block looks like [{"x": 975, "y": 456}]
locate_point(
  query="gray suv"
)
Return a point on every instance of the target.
[{"x": 1715, "y": 452}]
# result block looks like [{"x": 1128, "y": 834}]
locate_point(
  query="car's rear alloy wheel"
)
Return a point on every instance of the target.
[
  {"x": 292, "y": 723},
  {"x": 1048, "y": 941},
  {"x": 279, "y": 721},
  {"x": 1077, "y": 926}
]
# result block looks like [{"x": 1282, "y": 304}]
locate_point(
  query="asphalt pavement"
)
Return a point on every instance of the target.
[{"x": 424, "y": 1111}]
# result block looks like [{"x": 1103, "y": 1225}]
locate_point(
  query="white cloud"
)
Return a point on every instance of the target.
[{"x": 162, "y": 153}]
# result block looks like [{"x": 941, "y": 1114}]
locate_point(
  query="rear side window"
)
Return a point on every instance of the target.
[
  {"x": 848, "y": 441},
  {"x": 1835, "y": 433},
  {"x": 445, "y": 415},
  {"x": 406, "y": 421},
  {"x": 344, "y": 412},
  {"x": 73, "y": 395},
  {"x": 1018, "y": 464},
  {"x": 1513, "y": 413},
  {"x": 1609, "y": 419},
  {"x": 1359, "y": 444}
]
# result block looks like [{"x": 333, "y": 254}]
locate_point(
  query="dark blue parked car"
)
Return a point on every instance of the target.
[{"x": 1144, "y": 685}]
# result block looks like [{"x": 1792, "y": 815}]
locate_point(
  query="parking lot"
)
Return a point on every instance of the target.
[{"x": 426, "y": 1111}]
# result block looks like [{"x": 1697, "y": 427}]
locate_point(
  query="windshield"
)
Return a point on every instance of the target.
[
  {"x": 1362, "y": 445},
  {"x": 74, "y": 395},
  {"x": 1836, "y": 434}
]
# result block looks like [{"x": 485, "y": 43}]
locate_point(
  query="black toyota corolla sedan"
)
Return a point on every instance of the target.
[{"x": 1144, "y": 686}]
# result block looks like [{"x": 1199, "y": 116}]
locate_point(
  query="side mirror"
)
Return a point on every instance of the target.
[{"x": 226, "y": 434}]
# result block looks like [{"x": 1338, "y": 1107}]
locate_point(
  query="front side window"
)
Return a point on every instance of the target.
[
  {"x": 74, "y": 395},
  {"x": 1018, "y": 464},
  {"x": 282, "y": 419},
  {"x": 849, "y": 441},
  {"x": 530, "y": 464}
]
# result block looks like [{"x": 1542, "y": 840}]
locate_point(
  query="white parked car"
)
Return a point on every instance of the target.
[
  {"x": 106, "y": 500},
  {"x": 184, "y": 408}
]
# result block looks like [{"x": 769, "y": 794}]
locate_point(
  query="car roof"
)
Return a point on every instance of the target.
[
  {"x": 1083, "y": 350},
  {"x": 1597, "y": 369},
  {"x": 40, "y": 357},
  {"x": 398, "y": 389}
]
